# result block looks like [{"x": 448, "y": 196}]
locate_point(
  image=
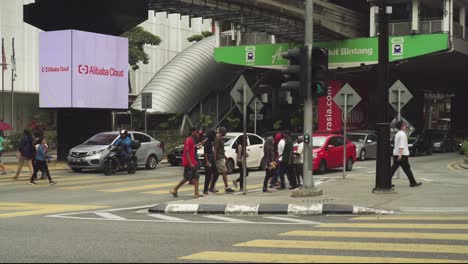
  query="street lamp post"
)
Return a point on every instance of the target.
[{"x": 383, "y": 179}]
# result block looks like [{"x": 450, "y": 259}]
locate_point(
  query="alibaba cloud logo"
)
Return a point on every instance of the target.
[{"x": 82, "y": 69}]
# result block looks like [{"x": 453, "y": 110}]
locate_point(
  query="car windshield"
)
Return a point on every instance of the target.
[
  {"x": 318, "y": 141},
  {"x": 356, "y": 137},
  {"x": 228, "y": 140},
  {"x": 101, "y": 139}
]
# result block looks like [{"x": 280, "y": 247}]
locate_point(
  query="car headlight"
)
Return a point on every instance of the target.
[
  {"x": 437, "y": 145},
  {"x": 92, "y": 153},
  {"x": 314, "y": 155}
]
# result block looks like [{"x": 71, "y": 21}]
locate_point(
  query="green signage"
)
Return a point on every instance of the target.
[{"x": 344, "y": 53}]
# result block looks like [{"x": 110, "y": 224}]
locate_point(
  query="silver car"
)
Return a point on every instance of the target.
[
  {"x": 91, "y": 154},
  {"x": 366, "y": 143}
]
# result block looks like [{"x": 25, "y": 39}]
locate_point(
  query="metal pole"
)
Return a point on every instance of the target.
[
  {"x": 113, "y": 120},
  {"x": 344, "y": 133},
  {"x": 255, "y": 117},
  {"x": 308, "y": 104},
  {"x": 3, "y": 86},
  {"x": 383, "y": 178},
  {"x": 244, "y": 149},
  {"x": 145, "y": 122},
  {"x": 399, "y": 118}
]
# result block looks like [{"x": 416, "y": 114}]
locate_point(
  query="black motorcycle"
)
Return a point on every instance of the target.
[{"x": 113, "y": 162}]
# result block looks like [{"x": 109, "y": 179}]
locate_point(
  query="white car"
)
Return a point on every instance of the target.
[{"x": 254, "y": 151}]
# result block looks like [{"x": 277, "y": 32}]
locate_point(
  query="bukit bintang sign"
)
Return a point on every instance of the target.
[{"x": 345, "y": 53}]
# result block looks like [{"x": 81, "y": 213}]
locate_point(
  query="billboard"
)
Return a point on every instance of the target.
[{"x": 82, "y": 70}]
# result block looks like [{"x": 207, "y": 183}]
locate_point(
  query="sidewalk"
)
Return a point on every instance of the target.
[{"x": 352, "y": 195}]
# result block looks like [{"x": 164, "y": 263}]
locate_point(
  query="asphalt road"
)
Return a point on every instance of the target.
[{"x": 89, "y": 217}]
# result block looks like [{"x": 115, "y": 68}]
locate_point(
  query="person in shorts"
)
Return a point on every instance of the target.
[
  {"x": 220, "y": 158},
  {"x": 190, "y": 164}
]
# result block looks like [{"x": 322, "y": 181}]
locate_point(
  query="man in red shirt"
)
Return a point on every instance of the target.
[{"x": 189, "y": 163}]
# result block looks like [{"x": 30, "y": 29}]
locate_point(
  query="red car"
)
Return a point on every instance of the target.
[{"x": 328, "y": 152}]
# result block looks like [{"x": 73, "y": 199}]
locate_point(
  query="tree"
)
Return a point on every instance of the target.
[
  {"x": 198, "y": 37},
  {"x": 137, "y": 38}
]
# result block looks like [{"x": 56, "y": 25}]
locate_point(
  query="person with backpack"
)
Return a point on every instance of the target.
[{"x": 25, "y": 153}]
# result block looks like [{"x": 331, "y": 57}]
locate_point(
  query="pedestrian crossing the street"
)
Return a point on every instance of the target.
[{"x": 366, "y": 239}]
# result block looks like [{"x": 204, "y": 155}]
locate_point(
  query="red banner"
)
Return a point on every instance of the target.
[{"x": 329, "y": 113}]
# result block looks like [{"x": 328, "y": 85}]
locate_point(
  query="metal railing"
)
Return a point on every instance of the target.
[{"x": 425, "y": 27}]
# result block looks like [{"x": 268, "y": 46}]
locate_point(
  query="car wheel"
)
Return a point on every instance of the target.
[
  {"x": 322, "y": 167},
  {"x": 76, "y": 170},
  {"x": 429, "y": 151},
  {"x": 151, "y": 162},
  {"x": 444, "y": 149},
  {"x": 230, "y": 166},
  {"x": 362, "y": 155},
  {"x": 349, "y": 164},
  {"x": 173, "y": 163}
]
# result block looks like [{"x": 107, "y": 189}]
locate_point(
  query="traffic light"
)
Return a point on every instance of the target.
[
  {"x": 306, "y": 139},
  {"x": 319, "y": 71},
  {"x": 296, "y": 70}
]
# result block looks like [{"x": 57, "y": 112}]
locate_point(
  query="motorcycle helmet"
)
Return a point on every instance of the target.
[{"x": 123, "y": 132}]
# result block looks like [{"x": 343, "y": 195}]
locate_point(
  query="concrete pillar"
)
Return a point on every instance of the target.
[
  {"x": 415, "y": 17},
  {"x": 217, "y": 34},
  {"x": 372, "y": 26},
  {"x": 463, "y": 20},
  {"x": 272, "y": 39}
]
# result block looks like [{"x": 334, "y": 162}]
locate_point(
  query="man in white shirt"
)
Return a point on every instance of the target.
[{"x": 401, "y": 154}]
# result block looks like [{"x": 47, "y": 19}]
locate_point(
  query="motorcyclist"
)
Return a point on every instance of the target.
[{"x": 124, "y": 142}]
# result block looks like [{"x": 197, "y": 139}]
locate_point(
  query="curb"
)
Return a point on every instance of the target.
[{"x": 261, "y": 209}]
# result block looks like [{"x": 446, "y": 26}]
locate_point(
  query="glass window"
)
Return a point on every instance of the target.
[
  {"x": 372, "y": 137},
  {"x": 356, "y": 137},
  {"x": 318, "y": 142},
  {"x": 339, "y": 141},
  {"x": 254, "y": 140},
  {"x": 142, "y": 138},
  {"x": 101, "y": 139}
]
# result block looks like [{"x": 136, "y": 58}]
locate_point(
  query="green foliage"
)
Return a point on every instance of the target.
[
  {"x": 170, "y": 141},
  {"x": 195, "y": 38},
  {"x": 277, "y": 125},
  {"x": 207, "y": 34},
  {"x": 137, "y": 38},
  {"x": 205, "y": 121},
  {"x": 172, "y": 122},
  {"x": 464, "y": 147},
  {"x": 296, "y": 122},
  {"x": 233, "y": 123},
  {"x": 12, "y": 142}
]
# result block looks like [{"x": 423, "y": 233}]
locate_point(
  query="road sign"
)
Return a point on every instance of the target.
[
  {"x": 394, "y": 129},
  {"x": 256, "y": 105},
  {"x": 352, "y": 99},
  {"x": 259, "y": 117},
  {"x": 404, "y": 97},
  {"x": 237, "y": 92},
  {"x": 146, "y": 101}
]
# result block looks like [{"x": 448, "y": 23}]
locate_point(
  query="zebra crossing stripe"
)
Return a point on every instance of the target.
[
  {"x": 294, "y": 220},
  {"x": 226, "y": 219},
  {"x": 109, "y": 216},
  {"x": 395, "y": 226},
  {"x": 138, "y": 188},
  {"x": 166, "y": 217},
  {"x": 363, "y": 246},
  {"x": 379, "y": 235},
  {"x": 302, "y": 258}
]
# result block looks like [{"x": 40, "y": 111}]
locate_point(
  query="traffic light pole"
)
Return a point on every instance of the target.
[
  {"x": 383, "y": 180},
  {"x": 309, "y": 185}
]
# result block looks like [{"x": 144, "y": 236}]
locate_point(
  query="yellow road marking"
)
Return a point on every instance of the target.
[
  {"x": 299, "y": 258},
  {"x": 408, "y": 235},
  {"x": 138, "y": 188},
  {"x": 92, "y": 183},
  {"x": 451, "y": 167},
  {"x": 182, "y": 189},
  {"x": 28, "y": 209},
  {"x": 365, "y": 246},
  {"x": 22, "y": 182},
  {"x": 412, "y": 217},
  {"x": 89, "y": 186},
  {"x": 403, "y": 226}
]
